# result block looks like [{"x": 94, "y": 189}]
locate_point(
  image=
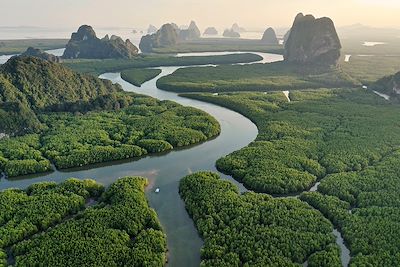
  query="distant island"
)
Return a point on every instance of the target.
[
  {"x": 231, "y": 33},
  {"x": 269, "y": 37},
  {"x": 211, "y": 31},
  {"x": 169, "y": 35},
  {"x": 235, "y": 27},
  {"x": 85, "y": 44}
]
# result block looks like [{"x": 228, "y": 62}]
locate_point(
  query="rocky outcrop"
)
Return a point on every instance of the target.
[
  {"x": 389, "y": 85},
  {"x": 231, "y": 33},
  {"x": 237, "y": 28},
  {"x": 269, "y": 37},
  {"x": 152, "y": 29},
  {"x": 35, "y": 52},
  {"x": 286, "y": 36},
  {"x": 313, "y": 41},
  {"x": 166, "y": 36},
  {"x": 191, "y": 33},
  {"x": 211, "y": 31},
  {"x": 85, "y": 44}
]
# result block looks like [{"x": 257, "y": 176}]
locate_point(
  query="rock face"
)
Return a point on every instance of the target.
[
  {"x": 35, "y": 52},
  {"x": 313, "y": 41},
  {"x": 152, "y": 29},
  {"x": 85, "y": 44},
  {"x": 166, "y": 36},
  {"x": 231, "y": 33},
  {"x": 237, "y": 28},
  {"x": 211, "y": 31},
  {"x": 191, "y": 33},
  {"x": 389, "y": 85},
  {"x": 286, "y": 36},
  {"x": 269, "y": 37}
]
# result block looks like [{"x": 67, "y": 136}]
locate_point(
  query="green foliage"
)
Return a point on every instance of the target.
[
  {"x": 98, "y": 67},
  {"x": 121, "y": 230},
  {"x": 318, "y": 133},
  {"x": 139, "y": 76},
  {"x": 363, "y": 68},
  {"x": 147, "y": 126},
  {"x": 329, "y": 257},
  {"x": 83, "y": 134},
  {"x": 254, "y": 77},
  {"x": 21, "y": 156},
  {"x": 30, "y": 85},
  {"x": 255, "y": 229},
  {"x": 24, "y": 213}
]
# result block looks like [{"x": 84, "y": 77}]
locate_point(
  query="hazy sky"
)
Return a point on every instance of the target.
[{"x": 219, "y": 13}]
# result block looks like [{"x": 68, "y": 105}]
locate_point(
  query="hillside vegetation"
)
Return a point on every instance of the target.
[{"x": 75, "y": 120}]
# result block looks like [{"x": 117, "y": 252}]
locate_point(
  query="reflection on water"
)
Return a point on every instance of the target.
[{"x": 373, "y": 43}]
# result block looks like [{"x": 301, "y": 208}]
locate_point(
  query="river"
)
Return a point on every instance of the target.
[{"x": 165, "y": 171}]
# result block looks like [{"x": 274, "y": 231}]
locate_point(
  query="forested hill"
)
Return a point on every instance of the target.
[{"x": 29, "y": 85}]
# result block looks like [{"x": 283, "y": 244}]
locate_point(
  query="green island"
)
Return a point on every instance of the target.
[
  {"x": 138, "y": 77},
  {"x": 255, "y": 77},
  {"x": 10, "y": 47},
  {"x": 253, "y": 229},
  {"x": 99, "y": 66},
  {"x": 79, "y": 223},
  {"x": 81, "y": 120},
  {"x": 346, "y": 138}
]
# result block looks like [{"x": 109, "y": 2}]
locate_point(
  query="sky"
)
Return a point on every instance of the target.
[{"x": 218, "y": 13}]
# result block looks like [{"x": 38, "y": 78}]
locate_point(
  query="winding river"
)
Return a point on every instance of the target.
[{"x": 165, "y": 171}]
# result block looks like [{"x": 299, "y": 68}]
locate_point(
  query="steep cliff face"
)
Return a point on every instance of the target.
[
  {"x": 85, "y": 44},
  {"x": 166, "y": 36},
  {"x": 269, "y": 37},
  {"x": 35, "y": 52},
  {"x": 313, "y": 40}
]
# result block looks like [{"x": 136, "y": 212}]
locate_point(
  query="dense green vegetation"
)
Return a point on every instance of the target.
[
  {"x": 58, "y": 225},
  {"x": 364, "y": 68},
  {"x": 82, "y": 120},
  {"x": 40, "y": 206},
  {"x": 255, "y": 77},
  {"x": 9, "y": 47},
  {"x": 144, "y": 126},
  {"x": 318, "y": 133},
  {"x": 255, "y": 229},
  {"x": 30, "y": 85},
  {"x": 21, "y": 156},
  {"x": 139, "y": 76},
  {"x": 97, "y": 67},
  {"x": 220, "y": 45},
  {"x": 365, "y": 205},
  {"x": 349, "y": 139}
]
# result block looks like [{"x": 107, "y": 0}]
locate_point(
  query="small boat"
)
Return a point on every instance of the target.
[{"x": 157, "y": 190}]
